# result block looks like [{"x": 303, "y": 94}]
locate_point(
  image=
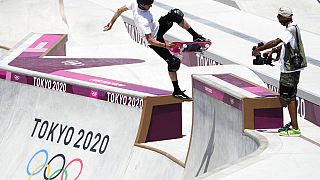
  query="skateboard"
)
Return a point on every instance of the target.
[{"x": 199, "y": 47}]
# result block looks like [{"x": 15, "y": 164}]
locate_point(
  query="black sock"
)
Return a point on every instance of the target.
[
  {"x": 176, "y": 85},
  {"x": 192, "y": 32}
]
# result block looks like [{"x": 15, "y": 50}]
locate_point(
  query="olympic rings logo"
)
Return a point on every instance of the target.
[
  {"x": 16, "y": 77},
  {"x": 94, "y": 93},
  {"x": 47, "y": 175},
  {"x": 73, "y": 63}
]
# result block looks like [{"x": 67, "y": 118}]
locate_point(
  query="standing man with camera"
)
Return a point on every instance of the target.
[{"x": 293, "y": 60}]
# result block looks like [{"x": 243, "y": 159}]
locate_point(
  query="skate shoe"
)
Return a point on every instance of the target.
[
  {"x": 290, "y": 132},
  {"x": 285, "y": 127},
  {"x": 181, "y": 95},
  {"x": 200, "y": 38}
]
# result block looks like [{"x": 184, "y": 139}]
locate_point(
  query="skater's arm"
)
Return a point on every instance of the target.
[
  {"x": 154, "y": 42},
  {"x": 115, "y": 17}
]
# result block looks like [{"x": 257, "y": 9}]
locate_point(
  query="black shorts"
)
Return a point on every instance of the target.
[
  {"x": 162, "y": 52},
  {"x": 288, "y": 85},
  {"x": 165, "y": 23}
]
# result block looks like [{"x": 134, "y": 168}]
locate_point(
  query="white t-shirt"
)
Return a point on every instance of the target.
[
  {"x": 286, "y": 37},
  {"x": 143, "y": 20}
]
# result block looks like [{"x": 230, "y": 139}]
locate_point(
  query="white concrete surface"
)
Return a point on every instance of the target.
[
  {"x": 217, "y": 137},
  {"x": 19, "y": 18},
  {"x": 285, "y": 158},
  {"x": 67, "y": 116},
  {"x": 305, "y": 16}
]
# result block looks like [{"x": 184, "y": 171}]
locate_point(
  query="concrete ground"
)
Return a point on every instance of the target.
[{"x": 283, "y": 158}]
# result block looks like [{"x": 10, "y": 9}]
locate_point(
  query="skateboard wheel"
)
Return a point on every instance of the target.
[
  {"x": 207, "y": 45},
  {"x": 184, "y": 46}
]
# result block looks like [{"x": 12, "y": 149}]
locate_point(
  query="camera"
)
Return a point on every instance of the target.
[
  {"x": 296, "y": 60},
  {"x": 261, "y": 60}
]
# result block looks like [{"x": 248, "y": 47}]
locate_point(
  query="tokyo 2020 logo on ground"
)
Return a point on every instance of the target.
[{"x": 40, "y": 162}]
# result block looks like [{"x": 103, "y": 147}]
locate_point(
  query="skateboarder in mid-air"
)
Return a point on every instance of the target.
[{"x": 153, "y": 31}]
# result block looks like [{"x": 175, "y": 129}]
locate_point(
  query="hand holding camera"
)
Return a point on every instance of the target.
[{"x": 266, "y": 58}]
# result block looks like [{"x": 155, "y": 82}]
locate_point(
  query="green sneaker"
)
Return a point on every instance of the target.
[
  {"x": 285, "y": 127},
  {"x": 290, "y": 132}
]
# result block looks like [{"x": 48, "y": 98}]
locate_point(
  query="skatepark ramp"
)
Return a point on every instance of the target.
[
  {"x": 46, "y": 133},
  {"x": 221, "y": 113},
  {"x": 63, "y": 122},
  {"x": 59, "y": 123},
  {"x": 95, "y": 118}
]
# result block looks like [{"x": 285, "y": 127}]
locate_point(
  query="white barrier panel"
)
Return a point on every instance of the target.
[{"x": 44, "y": 130}]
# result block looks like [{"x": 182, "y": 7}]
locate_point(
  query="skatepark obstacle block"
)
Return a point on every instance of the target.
[
  {"x": 161, "y": 119},
  {"x": 260, "y": 107}
]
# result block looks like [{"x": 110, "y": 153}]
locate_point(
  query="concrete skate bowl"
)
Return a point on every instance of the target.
[
  {"x": 46, "y": 127},
  {"x": 87, "y": 129},
  {"x": 63, "y": 134},
  {"x": 61, "y": 126},
  {"x": 43, "y": 129},
  {"x": 218, "y": 138},
  {"x": 53, "y": 133}
]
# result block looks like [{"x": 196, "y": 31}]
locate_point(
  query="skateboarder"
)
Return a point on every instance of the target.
[{"x": 153, "y": 31}]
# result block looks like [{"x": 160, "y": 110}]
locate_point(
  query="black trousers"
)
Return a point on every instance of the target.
[{"x": 165, "y": 23}]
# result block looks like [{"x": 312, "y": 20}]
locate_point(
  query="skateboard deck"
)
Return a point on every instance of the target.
[{"x": 190, "y": 46}]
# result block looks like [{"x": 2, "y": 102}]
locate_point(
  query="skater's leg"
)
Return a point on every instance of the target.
[
  {"x": 176, "y": 15},
  {"x": 184, "y": 24},
  {"x": 176, "y": 89},
  {"x": 173, "y": 76},
  {"x": 173, "y": 67}
]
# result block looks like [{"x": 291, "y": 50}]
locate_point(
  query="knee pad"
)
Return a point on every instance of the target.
[
  {"x": 176, "y": 15},
  {"x": 165, "y": 22},
  {"x": 173, "y": 64}
]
